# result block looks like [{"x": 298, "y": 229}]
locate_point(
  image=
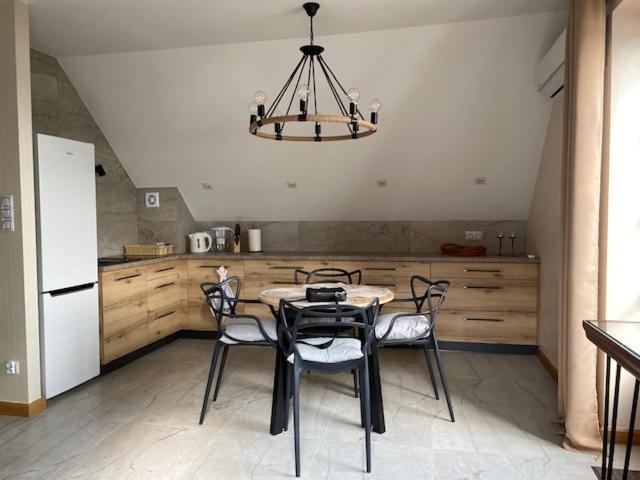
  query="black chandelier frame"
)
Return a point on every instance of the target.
[{"x": 349, "y": 115}]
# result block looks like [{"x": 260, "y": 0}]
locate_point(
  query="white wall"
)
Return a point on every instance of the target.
[
  {"x": 459, "y": 102},
  {"x": 544, "y": 232},
  {"x": 19, "y": 329},
  {"x": 623, "y": 236}
]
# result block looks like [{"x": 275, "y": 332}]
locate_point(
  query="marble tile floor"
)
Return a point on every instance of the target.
[{"x": 141, "y": 422}]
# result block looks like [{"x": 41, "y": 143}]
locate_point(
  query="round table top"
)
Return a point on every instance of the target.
[{"x": 357, "y": 295}]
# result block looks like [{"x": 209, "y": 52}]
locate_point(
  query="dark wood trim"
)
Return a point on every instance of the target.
[
  {"x": 23, "y": 409},
  {"x": 547, "y": 364},
  {"x": 625, "y": 357}
]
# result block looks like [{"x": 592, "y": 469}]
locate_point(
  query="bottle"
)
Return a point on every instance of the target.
[{"x": 236, "y": 239}]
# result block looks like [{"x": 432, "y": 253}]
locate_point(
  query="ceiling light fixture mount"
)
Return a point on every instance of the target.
[{"x": 350, "y": 115}]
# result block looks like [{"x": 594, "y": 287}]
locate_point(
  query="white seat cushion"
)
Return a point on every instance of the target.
[
  {"x": 404, "y": 328},
  {"x": 340, "y": 350},
  {"x": 246, "y": 329}
]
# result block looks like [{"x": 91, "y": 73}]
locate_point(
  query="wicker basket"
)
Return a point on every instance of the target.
[{"x": 147, "y": 250}]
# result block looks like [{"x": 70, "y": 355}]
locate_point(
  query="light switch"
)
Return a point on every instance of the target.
[{"x": 6, "y": 212}]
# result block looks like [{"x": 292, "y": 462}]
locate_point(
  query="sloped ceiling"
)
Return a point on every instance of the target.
[
  {"x": 71, "y": 27},
  {"x": 459, "y": 101}
]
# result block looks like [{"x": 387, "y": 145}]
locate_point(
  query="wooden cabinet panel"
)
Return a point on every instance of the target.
[
  {"x": 513, "y": 271},
  {"x": 396, "y": 276},
  {"x": 164, "y": 323},
  {"x": 280, "y": 270},
  {"x": 122, "y": 286},
  {"x": 163, "y": 292},
  {"x": 487, "y": 327},
  {"x": 163, "y": 269},
  {"x": 201, "y": 271},
  {"x": 125, "y": 342},
  {"x": 120, "y": 318},
  {"x": 492, "y": 295}
]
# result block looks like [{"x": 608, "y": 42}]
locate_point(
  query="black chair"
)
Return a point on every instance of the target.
[
  {"x": 328, "y": 354},
  {"x": 417, "y": 328},
  {"x": 330, "y": 275},
  {"x": 233, "y": 329},
  {"x": 327, "y": 275}
]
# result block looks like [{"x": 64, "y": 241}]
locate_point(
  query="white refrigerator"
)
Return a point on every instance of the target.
[{"x": 67, "y": 263}]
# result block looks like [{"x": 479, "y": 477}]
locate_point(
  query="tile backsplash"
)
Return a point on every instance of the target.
[{"x": 379, "y": 236}]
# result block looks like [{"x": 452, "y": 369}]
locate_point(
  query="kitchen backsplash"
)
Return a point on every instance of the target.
[
  {"x": 58, "y": 110},
  {"x": 378, "y": 236}
]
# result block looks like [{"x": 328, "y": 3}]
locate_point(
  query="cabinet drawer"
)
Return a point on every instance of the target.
[
  {"x": 163, "y": 292},
  {"x": 487, "y": 327},
  {"x": 200, "y": 318},
  {"x": 259, "y": 310},
  {"x": 120, "y": 318},
  {"x": 514, "y": 271},
  {"x": 492, "y": 295},
  {"x": 125, "y": 342},
  {"x": 378, "y": 270},
  {"x": 123, "y": 286},
  {"x": 164, "y": 323},
  {"x": 164, "y": 269},
  {"x": 280, "y": 270},
  {"x": 201, "y": 271}
]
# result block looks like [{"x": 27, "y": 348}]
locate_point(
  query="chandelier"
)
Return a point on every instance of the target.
[{"x": 304, "y": 75}]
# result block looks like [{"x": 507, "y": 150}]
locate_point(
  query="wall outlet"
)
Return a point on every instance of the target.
[
  {"x": 13, "y": 367},
  {"x": 473, "y": 235}
]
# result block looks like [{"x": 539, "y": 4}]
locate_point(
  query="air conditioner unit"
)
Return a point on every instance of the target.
[{"x": 550, "y": 70}]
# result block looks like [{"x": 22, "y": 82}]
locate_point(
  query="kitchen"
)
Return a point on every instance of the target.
[{"x": 152, "y": 188}]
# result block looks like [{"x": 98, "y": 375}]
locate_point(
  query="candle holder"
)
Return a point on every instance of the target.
[
  {"x": 513, "y": 237},
  {"x": 500, "y": 237}
]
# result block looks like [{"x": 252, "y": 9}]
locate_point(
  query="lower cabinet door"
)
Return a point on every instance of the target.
[
  {"x": 164, "y": 323},
  {"x": 124, "y": 342},
  {"x": 487, "y": 327}
]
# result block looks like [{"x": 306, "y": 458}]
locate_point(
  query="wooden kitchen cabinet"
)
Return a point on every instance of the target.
[
  {"x": 488, "y": 302},
  {"x": 201, "y": 271}
]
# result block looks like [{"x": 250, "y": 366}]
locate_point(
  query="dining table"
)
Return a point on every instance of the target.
[{"x": 358, "y": 296}]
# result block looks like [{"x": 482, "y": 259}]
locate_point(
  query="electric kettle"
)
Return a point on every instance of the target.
[{"x": 200, "y": 242}]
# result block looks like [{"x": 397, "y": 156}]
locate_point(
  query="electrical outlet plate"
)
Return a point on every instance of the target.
[
  {"x": 12, "y": 367},
  {"x": 473, "y": 235}
]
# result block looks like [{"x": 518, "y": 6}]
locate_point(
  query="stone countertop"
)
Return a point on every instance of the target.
[{"x": 329, "y": 256}]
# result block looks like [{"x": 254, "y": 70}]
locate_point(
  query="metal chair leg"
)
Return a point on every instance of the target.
[
  {"x": 355, "y": 382},
  {"x": 443, "y": 377},
  {"x": 288, "y": 394},
  {"x": 296, "y": 417},
  {"x": 367, "y": 414},
  {"x": 431, "y": 374},
  {"x": 212, "y": 369},
  {"x": 223, "y": 361}
]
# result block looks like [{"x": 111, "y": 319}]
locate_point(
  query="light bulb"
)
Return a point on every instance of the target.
[
  {"x": 260, "y": 97},
  {"x": 353, "y": 94},
  {"x": 303, "y": 91},
  {"x": 375, "y": 105},
  {"x": 253, "y": 108}
]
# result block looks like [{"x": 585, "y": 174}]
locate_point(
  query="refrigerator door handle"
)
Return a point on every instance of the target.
[{"x": 69, "y": 290}]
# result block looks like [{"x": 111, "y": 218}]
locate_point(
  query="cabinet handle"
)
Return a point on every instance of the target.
[
  {"x": 209, "y": 266},
  {"x": 482, "y": 287},
  {"x": 282, "y": 282},
  {"x": 381, "y": 269},
  {"x": 127, "y": 277},
  {"x": 164, "y": 285},
  {"x": 165, "y": 315},
  {"x": 390, "y": 285},
  {"x": 478, "y": 319},
  {"x": 478, "y": 270},
  {"x": 164, "y": 269},
  {"x": 276, "y": 267}
]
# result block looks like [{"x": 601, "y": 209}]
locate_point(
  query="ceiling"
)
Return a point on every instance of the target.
[{"x": 82, "y": 27}]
